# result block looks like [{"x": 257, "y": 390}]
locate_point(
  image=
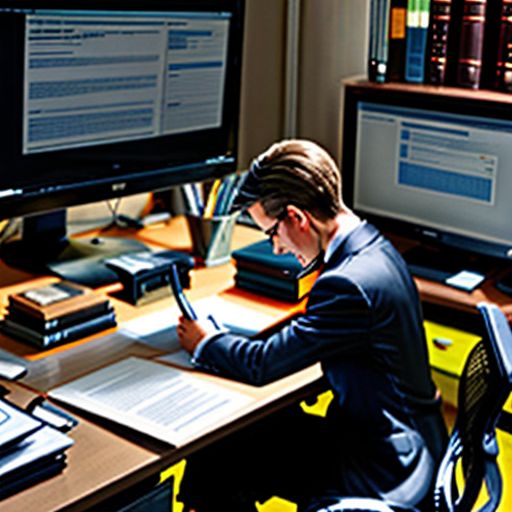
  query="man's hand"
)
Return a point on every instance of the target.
[{"x": 191, "y": 332}]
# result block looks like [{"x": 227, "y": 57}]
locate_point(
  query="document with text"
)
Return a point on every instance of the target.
[
  {"x": 169, "y": 404},
  {"x": 158, "y": 329}
]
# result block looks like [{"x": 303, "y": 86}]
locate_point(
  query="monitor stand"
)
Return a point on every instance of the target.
[{"x": 45, "y": 247}]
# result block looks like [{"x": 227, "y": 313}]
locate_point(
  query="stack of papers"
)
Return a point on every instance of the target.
[{"x": 30, "y": 450}]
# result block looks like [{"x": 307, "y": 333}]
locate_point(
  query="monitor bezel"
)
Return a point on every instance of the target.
[
  {"x": 450, "y": 100},
  {"x": 127, "y": 177}
]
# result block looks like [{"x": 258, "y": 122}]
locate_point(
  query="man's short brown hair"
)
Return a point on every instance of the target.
[{"x": 297, "y": 172}]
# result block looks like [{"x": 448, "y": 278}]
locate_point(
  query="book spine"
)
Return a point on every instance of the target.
[
  {"x": 503, "y": 78},
  {"x": 437, "y": 53},
  {"x": 266, "y": 281},
  {"x": 267, "y": 270},
  {"x": 269, "y": 292},
  {"x": 469, "y": 61},
  {"x": 418, "y": 14},
  {"x": 263, "y": 256},
  {"x": 71, "y": 333},
  {"x": 396, "y": 47},
  {"x": 81, "y": 330},
  {"x": 23, "y": 317},
  {"x": 379, "y": 34}
]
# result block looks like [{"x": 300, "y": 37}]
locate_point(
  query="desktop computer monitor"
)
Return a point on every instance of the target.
[
  {"x": 434, "y": 167},
  {"x": 103, "y": 99}
]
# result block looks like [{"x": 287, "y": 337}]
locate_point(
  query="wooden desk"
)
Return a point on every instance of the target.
[
  {"x": 444, "y": 296},
  {"x": 107, "y": 459}
]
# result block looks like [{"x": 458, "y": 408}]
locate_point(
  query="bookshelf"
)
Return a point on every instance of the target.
[
  {"x": 483, "y": 96},
  {"x": 462, "y": 43}
]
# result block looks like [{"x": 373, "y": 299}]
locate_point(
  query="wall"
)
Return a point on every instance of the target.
[
  {"x": 261, "y": 116},
  {"x": 333, "y": 46}
]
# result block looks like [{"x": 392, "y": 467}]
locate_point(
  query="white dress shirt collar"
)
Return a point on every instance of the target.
[{"x": 349, "y": 223}]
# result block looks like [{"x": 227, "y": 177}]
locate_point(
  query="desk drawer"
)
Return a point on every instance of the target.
[{"x": 448, "y": 349}]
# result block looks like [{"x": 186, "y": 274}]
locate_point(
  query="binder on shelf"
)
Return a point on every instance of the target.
[
  {"x": 379, "y": 35},
  {"x": 469, "y": 59},
  {"x": 397, "y": 40},
  {"x": 438, "y": 36},
  {"x": 279, "y": 276},
  {"x": 418, "y": 13}
]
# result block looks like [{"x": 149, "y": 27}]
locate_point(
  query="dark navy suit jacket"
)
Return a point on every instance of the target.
[{"x": 363, "y": 322}]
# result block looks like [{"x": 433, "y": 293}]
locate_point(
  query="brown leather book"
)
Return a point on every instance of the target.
[
  {"x": 55, "y": 300},
  {"x": 437, "y": 46},
  {"x": 469, "y": 60},
  {"x": 503, "y": 78}
]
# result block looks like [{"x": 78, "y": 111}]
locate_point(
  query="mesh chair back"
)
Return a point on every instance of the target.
[{"x": 485, "y": 384}]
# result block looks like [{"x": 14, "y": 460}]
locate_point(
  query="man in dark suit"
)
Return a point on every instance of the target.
[{"x": 384, "y": 433}]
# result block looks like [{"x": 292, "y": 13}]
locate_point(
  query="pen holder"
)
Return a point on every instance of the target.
[{"x": 211, "y": 238}]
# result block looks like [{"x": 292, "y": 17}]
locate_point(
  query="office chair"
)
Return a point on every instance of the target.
[{"x": 484, "y": 387}]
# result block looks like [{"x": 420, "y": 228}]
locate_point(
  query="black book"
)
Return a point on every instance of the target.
[
  {"x": 396, "y": 44},
  {"x": 43, "y": 326},
  {"x": 74, "y": 332},
  {"x": 289, "y": 286},
  {"x": 279, "y": 276},
  {"x": 258, "y": 287},
  {"x": 261, "y": 254}
]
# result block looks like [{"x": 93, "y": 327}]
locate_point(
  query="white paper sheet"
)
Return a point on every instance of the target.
[{"x": 163, "y": 402}]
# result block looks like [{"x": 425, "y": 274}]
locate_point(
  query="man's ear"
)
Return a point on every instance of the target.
[{"x": 298, "y": 217}]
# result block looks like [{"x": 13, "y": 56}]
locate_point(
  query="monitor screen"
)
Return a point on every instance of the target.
[
  {"x": 432, "y": 167},
  {"x": 101, "y": 99}
]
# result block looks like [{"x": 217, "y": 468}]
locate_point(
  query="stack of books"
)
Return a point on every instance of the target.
[
  {"x": 57, "y": 313},
  {"x": 279, "y": 276},
  {"x": 30, "y": 449}
]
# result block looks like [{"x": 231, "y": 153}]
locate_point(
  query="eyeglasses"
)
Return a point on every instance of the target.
[{"x": 271, "y": 232}]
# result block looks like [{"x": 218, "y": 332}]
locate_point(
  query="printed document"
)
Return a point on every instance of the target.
[
  {"x": 159, "y": 329},
  {"x": 163, "y": 402}
]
